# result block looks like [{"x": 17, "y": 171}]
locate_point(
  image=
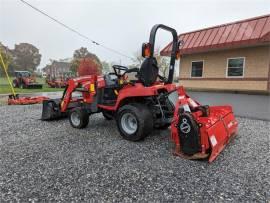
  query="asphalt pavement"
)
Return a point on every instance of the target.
[{"x": 244, "y": 105}]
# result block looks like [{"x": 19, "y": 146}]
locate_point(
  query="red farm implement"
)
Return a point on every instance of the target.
[
  {"x": 146, "y": 102},
  {"x": 57, "y": 83},
  {"x": 24, "y": 79}
]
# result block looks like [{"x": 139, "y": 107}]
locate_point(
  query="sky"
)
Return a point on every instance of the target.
[{"x": 122, "y": 25}]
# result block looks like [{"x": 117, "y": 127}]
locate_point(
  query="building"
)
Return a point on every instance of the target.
[
  {"x": 232, "y": 57},
  {"x": 57, "y": 69}
]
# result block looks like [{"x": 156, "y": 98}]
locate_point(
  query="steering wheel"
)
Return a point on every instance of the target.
[
  {"x": 117, "y": 69},
  {"x": 162, "y": 79}
]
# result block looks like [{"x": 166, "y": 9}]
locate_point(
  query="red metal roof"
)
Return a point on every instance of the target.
[{"x": 246, "y": 32}]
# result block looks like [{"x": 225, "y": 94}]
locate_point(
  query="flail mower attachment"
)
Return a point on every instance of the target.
[
  {"x": 51, "y": 110},
  {"x": 16, "y": 100},
  {"x": 201, "y": 132}
]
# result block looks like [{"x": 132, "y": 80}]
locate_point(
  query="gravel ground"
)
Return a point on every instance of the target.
[{"x": 51, "y": 161}]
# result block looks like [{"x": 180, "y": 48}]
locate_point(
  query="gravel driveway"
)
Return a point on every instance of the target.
[{"x": 51, "y": 161}]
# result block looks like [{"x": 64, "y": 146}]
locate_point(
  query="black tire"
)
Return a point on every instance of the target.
[
  {"x": 143, "y": 117},
  {"x": 82, "y": 118},
  {"x": 108, "y": 115}
]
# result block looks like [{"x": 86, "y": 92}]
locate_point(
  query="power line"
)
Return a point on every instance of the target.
[{"x": 74, "y": 31}]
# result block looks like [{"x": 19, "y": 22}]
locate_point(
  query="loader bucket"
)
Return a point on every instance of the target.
[{"x": 51, "y": 110}]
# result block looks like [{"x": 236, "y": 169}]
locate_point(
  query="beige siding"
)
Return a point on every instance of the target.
[
  {"x": 257, "y": 61},
  {"x": 225, "y": 85}
]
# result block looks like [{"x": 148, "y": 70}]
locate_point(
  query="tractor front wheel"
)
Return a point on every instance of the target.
[
  {"x": 134, "y": 121},
  {"x": 78, "y": 118}
]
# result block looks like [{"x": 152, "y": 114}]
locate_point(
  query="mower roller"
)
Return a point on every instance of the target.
[{"x": 145, "y": 102}]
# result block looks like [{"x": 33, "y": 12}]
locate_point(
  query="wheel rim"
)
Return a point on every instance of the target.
[
  {"x": 129, "y": 123},
  {"x": 75, "y": 118}
]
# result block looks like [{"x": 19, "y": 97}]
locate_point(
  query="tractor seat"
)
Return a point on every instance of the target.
[{"x": 148, "y": 73}]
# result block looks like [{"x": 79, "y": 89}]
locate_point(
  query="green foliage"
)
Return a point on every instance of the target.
[
  {"x": 23, "y": 57},
  {"x": 26, "y": 57},
  {"x": 7, "y": 58},
  {"x": 74, "y": 65}
]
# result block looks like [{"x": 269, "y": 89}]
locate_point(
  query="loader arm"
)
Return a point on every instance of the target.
[{"x": 85, "y": 84}]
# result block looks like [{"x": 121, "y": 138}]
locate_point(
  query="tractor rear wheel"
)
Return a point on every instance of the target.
[
  {"x": 78, "y": 118},
  {"x": 134, "y": 121}
]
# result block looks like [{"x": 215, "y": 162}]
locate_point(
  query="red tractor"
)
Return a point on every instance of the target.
[
  {"x": 57, "y": 83},
  {"x": 147, "y": 102},
  {"x": 24, "y": 79}
]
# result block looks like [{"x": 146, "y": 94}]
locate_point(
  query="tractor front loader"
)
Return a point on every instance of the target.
[{"x": 145, "y": 102}]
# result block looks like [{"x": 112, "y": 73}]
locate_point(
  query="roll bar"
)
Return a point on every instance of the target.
[{"x": 175, "y": 47}]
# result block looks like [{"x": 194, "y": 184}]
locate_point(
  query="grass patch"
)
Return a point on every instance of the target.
[{"x": 5, "y": 88}]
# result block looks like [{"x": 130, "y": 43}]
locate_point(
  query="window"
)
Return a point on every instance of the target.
[
  {"x": 235, "y": 67},
  {"x": 196, "y": 68}
]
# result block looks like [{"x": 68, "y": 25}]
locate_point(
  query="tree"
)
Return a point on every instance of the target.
[
  {"x": 6, "y": 55},
  {"x": 83, "y": 53},
  {"x": 88, "y": 66},
  {"x": 26, "y": 57},
  {"x": 163, "y": 64},
  {"x": 137, "y": 59},
  {"x": 7, "y": 58},
  {"x": 106, "y": 67}
]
